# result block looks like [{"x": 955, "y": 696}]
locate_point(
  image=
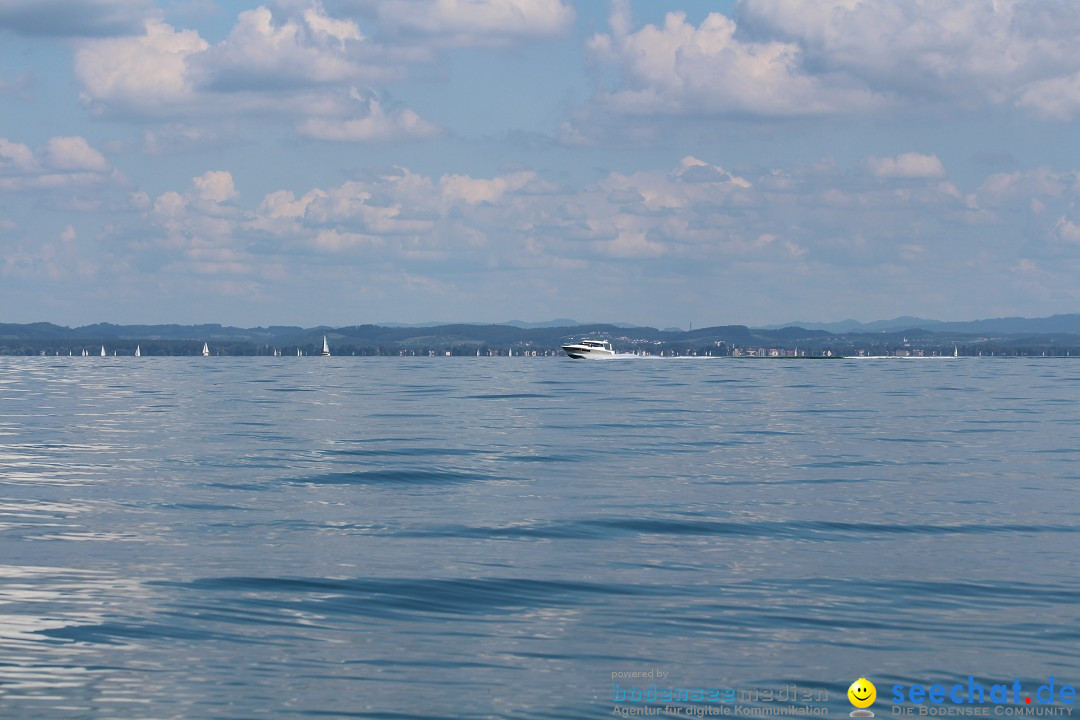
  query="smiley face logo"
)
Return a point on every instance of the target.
[{"x": 862, "y": 693}]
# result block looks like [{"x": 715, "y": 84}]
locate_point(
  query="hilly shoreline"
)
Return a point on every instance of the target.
[{"x": 1055, "y": 335}]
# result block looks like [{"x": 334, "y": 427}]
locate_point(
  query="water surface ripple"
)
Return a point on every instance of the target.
[{"x": 494, "y": 537}]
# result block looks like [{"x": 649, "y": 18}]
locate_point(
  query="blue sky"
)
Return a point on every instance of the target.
[{"x": 663, "y": 163}]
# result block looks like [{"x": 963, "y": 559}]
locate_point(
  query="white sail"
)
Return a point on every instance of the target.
[
  {"x": 205, "y": 350},
  {"x": 102, "y": 351},
  {"x": 325, "y": 347},
  {"x": 138, "y": 351}
]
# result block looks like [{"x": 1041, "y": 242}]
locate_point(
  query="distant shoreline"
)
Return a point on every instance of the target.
[{"x": 1056, "y": 336}]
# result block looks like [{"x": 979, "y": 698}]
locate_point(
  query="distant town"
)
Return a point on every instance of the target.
[{"x": 1057, "y": 336}]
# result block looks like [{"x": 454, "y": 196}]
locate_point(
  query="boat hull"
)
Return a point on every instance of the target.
[{"x": 586, "y": 353}]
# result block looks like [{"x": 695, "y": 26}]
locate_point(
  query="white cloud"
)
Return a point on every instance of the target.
[
  {"x": 260, "y": 53},
  {"x": 694, "y": 224},
  {"x": 65, "y": 162},
  {"x": 202, "y": 203},
  {"x": 167, "y": 71},
  {"x": 340, "y": 30},
  {"x": 16, "y": 157},
  {"x": 296, "y": 67},
  {"x": 377, "y": 125},
  {"x": 515, "y": 217},
  {"x": 1068, "y": 231},
  {"x": 1056, "y": 98},
  {"x": 148, "y": 73},
  {"x": 215, "y": 186},
  {"x": 169, "y": 204},
  {"x": 458, "y": 189},
  {"x": 790, "y": 58},
  {"x": 682, "y": 68},
  {"x": 694, "y": 170},
  {"x": 966, "y": 50},
  {"x": 907, "y": 165},
  {"x": 1019, "y": 189},
  {"x": 196, "y": 233},
  {"x": 74, "y": 153}
]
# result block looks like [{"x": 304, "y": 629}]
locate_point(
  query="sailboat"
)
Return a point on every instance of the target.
[
  {"x": 297, "y": 352},
  {"x": 138, "y": 351},
  {"x": 205, "y": 350},
  {"x": 325, "y": 347},
  {"x": 102, "y": 351}
]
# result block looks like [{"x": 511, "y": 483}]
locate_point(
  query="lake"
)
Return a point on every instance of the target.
[{"x": 516, "y": 537}]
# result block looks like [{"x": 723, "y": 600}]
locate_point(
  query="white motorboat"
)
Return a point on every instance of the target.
[{"x": 589, "y": 349}]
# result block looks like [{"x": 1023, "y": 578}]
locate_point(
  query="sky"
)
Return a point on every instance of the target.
[{"x": 340, "y": 162}]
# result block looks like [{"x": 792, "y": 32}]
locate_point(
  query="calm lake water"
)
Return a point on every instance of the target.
[{"x": 495, "y": 537}]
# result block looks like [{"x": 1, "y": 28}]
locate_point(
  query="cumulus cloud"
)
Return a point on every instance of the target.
[
  {"x": 1022, "y": 188},
  {"x": 682, "y": 68},
  {"x": 1056, "y": 98},
  {"x": 377, "y": 124},
  {"x": 322, "y": 25},
  {"x": 261, "y": 52},
  {"x": 695, "y": 222},
  {"x": 215, "y": 186},
  {"x": 16, "y": 157},
  {"x": 74, "y": 153},
  {"x": 907, "y": 165},
  {"x": 785, "y": 58},
  {"x": 65, "y": 162},
  {"x": 74, "y": 18},
  {"x": 1068, "y": 231},
  {"x": 195, "y": 231},
  {"x": 298, "y": 67},
  {"x": 148, "y": 72},
  {"x": 967, "y": 50},
  {"x": 470, "y": 22},
  {"x": 513, "y": 217}
]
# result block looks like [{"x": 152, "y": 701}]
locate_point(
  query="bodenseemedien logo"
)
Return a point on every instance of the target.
[{"x": 862, "y": 695}]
